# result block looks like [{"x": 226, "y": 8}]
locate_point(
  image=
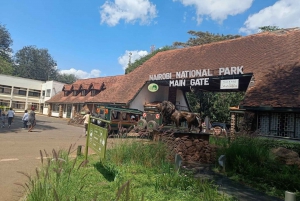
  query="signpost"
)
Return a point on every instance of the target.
[
  {"x": 97, "y": 138},
  {"x": 229, "y": 84}
]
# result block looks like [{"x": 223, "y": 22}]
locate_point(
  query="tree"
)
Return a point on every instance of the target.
[
  {"x": 5, "y": 67},
  {"x": 138, "y": 62},
  {"x": 5, "y": 43},
  {"x": 213, "y": 104},
  {"x": 269, "y": 28},
  {"x": 5, "y": 51},
  {"x": 35, "y": 63},
  {"x": 66, "y": 78},
  {"x": 201, "y": 38}
]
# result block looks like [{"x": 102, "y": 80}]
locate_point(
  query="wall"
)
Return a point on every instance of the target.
[
  {"x": 145, "y": 96},
  {"x": 20, "y": 82},
  {"x": 55, "y": 87},
  {"x": 180, "y": 101}
]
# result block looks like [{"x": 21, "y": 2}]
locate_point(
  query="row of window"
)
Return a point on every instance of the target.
[
  {"x": 83, "y": 92},
  {"x": 23, "y": 91}
]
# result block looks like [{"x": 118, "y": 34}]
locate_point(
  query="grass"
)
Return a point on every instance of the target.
[
  {"x": 131, "y": 171},
  {"x": 248, "y": 159}
]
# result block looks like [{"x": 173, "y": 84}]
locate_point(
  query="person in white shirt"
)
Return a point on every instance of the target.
[
  {"x": 25, "y": 119},
  {"x": 86, "y": 119},
  {"x": 10, "y": 115}
]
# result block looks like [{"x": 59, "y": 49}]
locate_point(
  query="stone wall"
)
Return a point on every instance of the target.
[{"x": 191, "y": 147}]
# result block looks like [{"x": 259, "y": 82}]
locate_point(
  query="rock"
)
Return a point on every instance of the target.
[{"x": 286, "y": 156}]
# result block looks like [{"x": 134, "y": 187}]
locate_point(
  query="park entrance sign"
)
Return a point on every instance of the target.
[
  {"x": 97, "y": 137},
  {"x": 200, "y": 77}
]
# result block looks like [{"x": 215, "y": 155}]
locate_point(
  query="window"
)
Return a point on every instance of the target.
[
  {"x": 55, "y": 108},
  {"x": 43, "y": 93},
  {"x": 34, "y": 93},
  {"x": 75, "y": 93},
  {"x": 18, "y": 105},
  {"x": 20, "y": 91},
  {"x": 66, "y": 93},
  {"x": 5, "y": 89},
  {"x": 48, "y": 92},
  {"x": 4, "y": 103},
  {"x": 94, "y": 92},
  {"x": 83, "y": 92}
]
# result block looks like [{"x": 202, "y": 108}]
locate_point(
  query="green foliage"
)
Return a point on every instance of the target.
[
  {"x": 5, "y": 43},
  {"x": 35, "y": 63},
  {"x": 5, "y": 51},
  {"x": 269, "y": 28},
  {"x": 66, "y": 78},
  {"x": 143, "y": 59},
  {"x": 5, "y": 67},
  {"x": 214, "y": 104},
  {"x": 250, "y": 160},
  {"x": 131, "y": 171},
  {"x": 201, "y": 38}
]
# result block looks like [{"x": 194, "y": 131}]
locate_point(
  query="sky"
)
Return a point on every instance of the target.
[{"x": 93, "y": 38}]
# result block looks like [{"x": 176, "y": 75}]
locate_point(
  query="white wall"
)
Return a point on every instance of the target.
[
  {"x": 20, "y": 82},
  {"x": 145, "y": 96},
  {"x": 180, "y": 100}
]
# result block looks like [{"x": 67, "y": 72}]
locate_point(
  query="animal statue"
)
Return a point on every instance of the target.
[{"x": 170, "y": 114}]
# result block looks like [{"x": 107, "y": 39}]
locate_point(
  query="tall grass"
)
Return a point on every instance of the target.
[
  {"x": 134, "y": 171},
  {"x": 251, "y": 160}
]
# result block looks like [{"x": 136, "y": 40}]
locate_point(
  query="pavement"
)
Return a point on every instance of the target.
[{"x": 20, "y": 151}]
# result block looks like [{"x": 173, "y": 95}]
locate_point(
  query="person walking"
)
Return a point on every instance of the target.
[
  {"x": 3, "y": 117},
  {"x": 25, "y": 119},
  {"x": 86, "y": 119},
  {"x": 10, "y": 116},
  {"x": 31, "y": 119}
]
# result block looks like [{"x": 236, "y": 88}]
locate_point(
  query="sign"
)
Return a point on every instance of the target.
[
  {"x": 229, "y": 84},
  {"x": 144, "y": 115},
  {"x": 152, "y": 87},
  {"x": 157, "y": 116},
  {"x": 197, "y": 77},
  {"x": 97, "y": 139}
]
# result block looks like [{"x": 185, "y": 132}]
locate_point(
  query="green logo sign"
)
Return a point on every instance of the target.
[{"x": 152, "y": 87}]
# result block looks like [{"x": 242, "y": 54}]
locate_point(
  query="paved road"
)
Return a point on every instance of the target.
[{"x": 19, "y": 149}]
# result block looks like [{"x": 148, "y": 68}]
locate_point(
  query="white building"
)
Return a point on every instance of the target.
[{"x": 22, "y": 93}]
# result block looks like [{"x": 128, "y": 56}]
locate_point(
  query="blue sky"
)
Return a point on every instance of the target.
[{"x": 93, "y": 38}]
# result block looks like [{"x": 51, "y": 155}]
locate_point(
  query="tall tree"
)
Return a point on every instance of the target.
[
  {"x": 35, "y": 63},
  {"x": 5, "y": 51},
  {"x": 66, "y": 78},
  {"x": 201, "y": 38}
]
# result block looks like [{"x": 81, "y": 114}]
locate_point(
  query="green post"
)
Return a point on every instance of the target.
[{"x": 87, "y": 139}]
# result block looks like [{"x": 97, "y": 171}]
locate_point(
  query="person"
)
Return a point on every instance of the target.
[
  {"x": 3, "y": 117},
  {"x": 25, "y": 119},
  {"x": 31, "y": 119},
  {"x": 86, "y": 119},
  {"x": 10, "y": 116}
]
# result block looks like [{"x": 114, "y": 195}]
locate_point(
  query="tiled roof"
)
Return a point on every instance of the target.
[
  {"x": 76, "y": 86},
  {"x": 258, "y": 54},
  {"x": 86, "y": 86},
  {"x": 67, "y": 87}
]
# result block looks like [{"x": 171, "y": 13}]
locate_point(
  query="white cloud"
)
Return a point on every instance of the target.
[
  {"x": 135, "y": 54},
  {"x": 128, "y": 10},
  {"x": 284, "y": 14},
  {"x": 82, "y": 74},
  {"x": 217, "y": 10}
]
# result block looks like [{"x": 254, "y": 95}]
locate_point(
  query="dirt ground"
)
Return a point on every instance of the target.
[{"x": 20, "y": 150}]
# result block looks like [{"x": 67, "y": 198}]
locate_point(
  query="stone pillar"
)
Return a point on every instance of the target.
[
  {"x": 60, "y": 111},
  {"x": 11, "y": 96},
  {"x": 73, "y": 111},
  {"x": 232, "y": 126},
  {"x": 50, "y": 110}
]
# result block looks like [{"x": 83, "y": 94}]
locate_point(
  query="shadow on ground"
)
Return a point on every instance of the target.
[{"x": 17, "y": 126}]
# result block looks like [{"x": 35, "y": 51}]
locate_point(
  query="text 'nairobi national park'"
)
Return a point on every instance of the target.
[{"x": 201, "y": 76}]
